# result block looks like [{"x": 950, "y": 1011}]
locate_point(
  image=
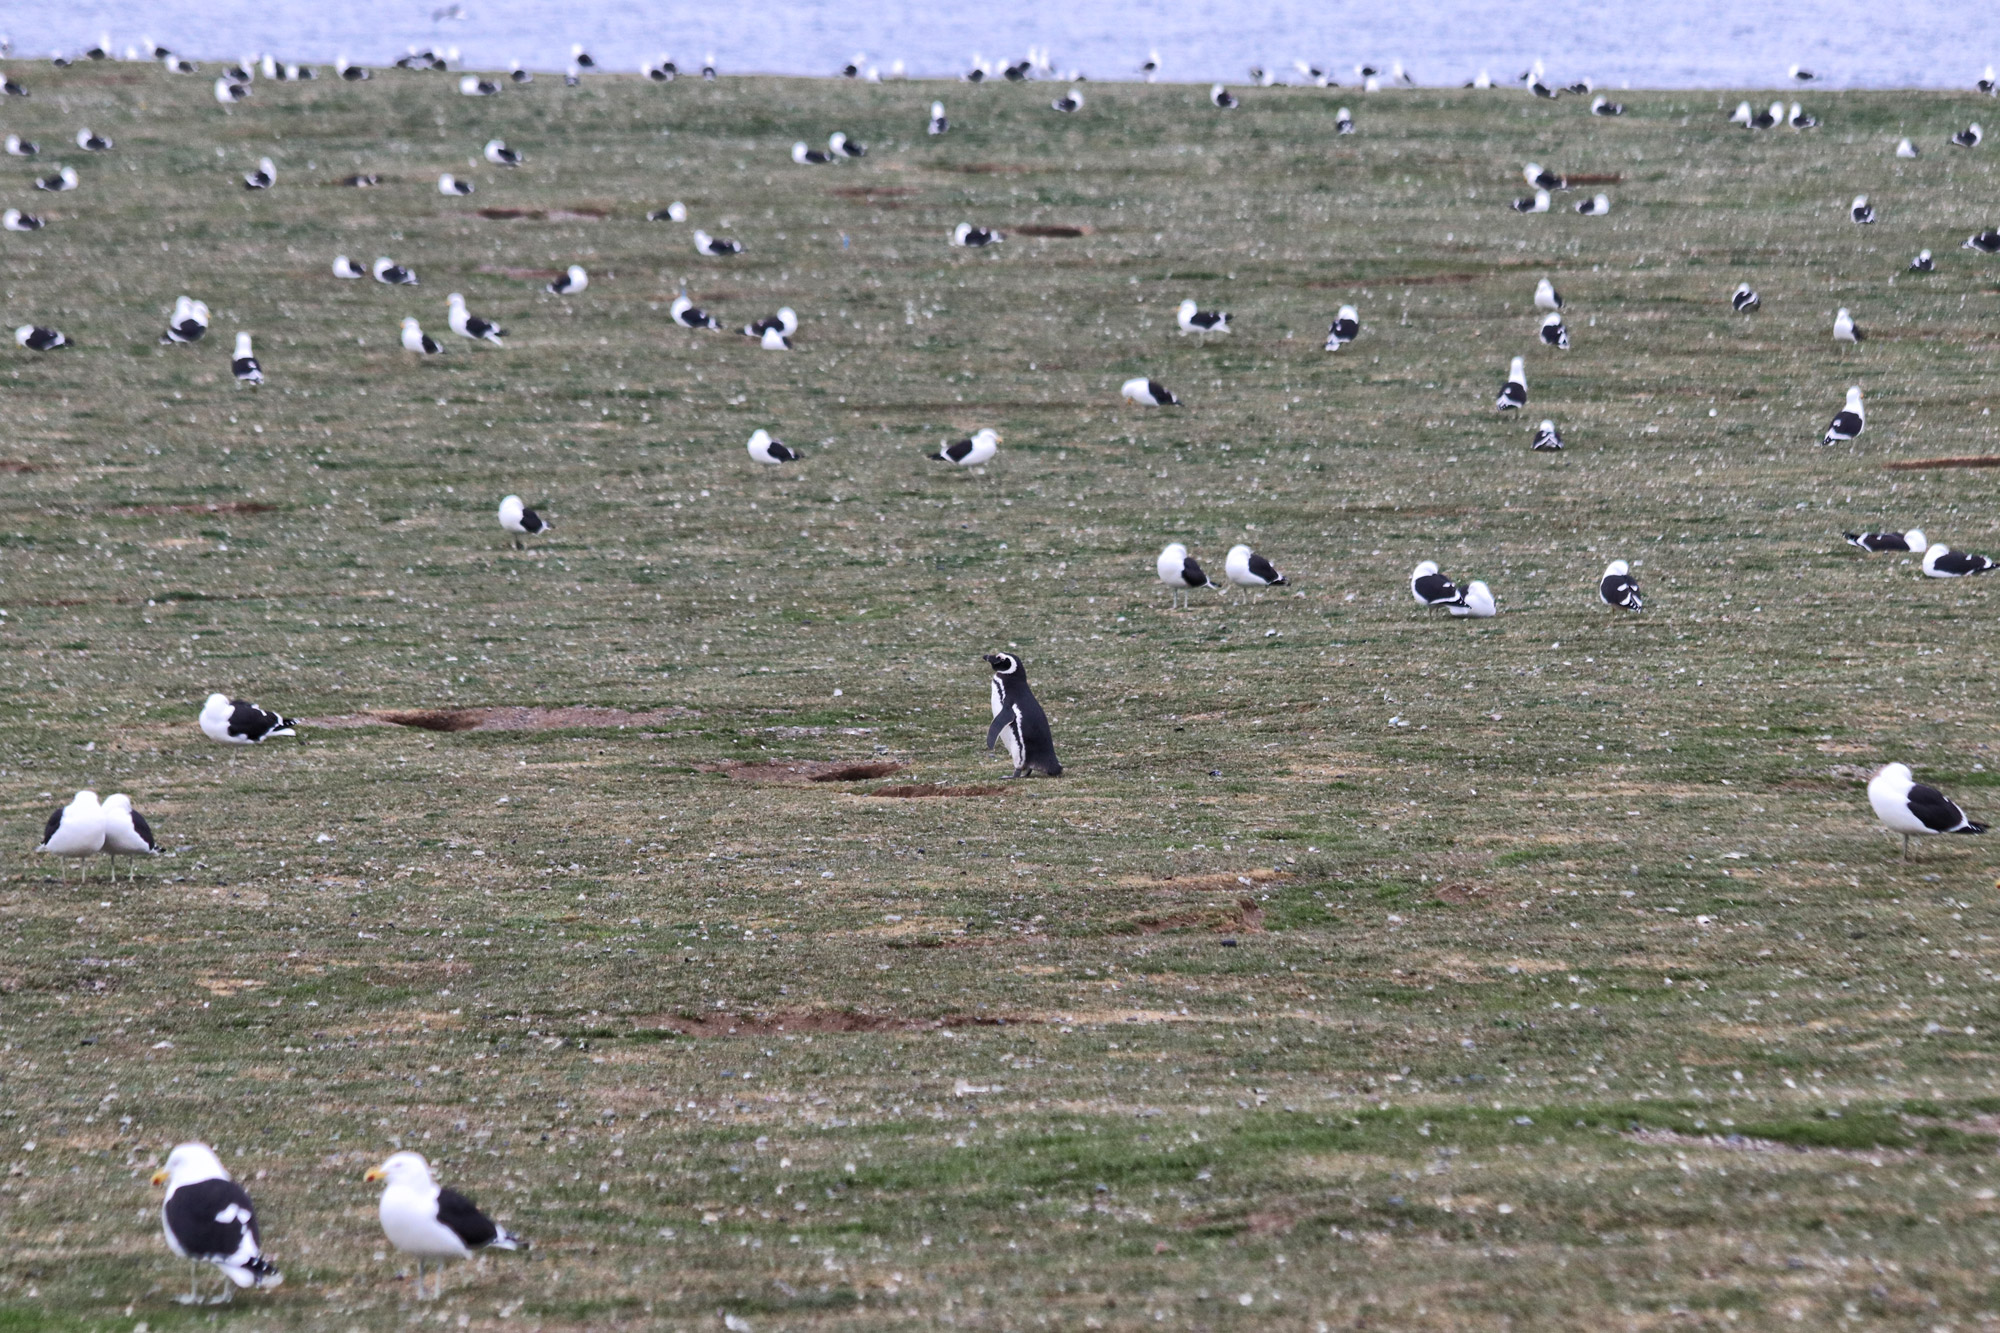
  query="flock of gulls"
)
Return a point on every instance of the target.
[{"x": 209, "y": 1218}]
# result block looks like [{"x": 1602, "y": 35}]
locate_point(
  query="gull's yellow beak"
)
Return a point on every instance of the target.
[
  {"x": 160, "y": 1176},
  {"x": 374, "y": 1174}
]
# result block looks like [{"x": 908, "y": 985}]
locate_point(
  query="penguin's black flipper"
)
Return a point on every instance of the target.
[{"x": 1000, "y": 721}]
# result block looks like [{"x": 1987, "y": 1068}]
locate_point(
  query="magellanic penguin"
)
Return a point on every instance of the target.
[{"x": 1019, "y": 721}]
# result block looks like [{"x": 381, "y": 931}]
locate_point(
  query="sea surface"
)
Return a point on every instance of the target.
[{"x": 1723, "y": 44}]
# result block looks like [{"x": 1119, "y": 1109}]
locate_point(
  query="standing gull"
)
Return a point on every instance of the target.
[
  {"x": 243, "y": 363},
  {"x": 209, "y": 1219},
  {"x": 1222, "y": 97},
  {"x": 1618, "y": 588},
  {"x": 1848, "y": 421},
  {"x": 430, "y": 1222},
  {"x": 126, "y": 833},
  {"x": 1247, "y": 569},
  {"x": 468, "y": 325},
  {"x": 1745, "y": 300},
  {"x": 1179, "y": 571},
  {"x": 1554, "y": 333},
  {"x": 1546, "y": 296},
  {"x": 520, "y": 520},
  {"x": 1432, "y": 588},
  {"x": 1968, "y": 137},
  {"x": 569, "y": 282},
  {"x": 938, "y": 123},
  {"x": 1910, "y": 808},
  {"x": 764, "y": 449},
  {"x": 1346, "y": 327},
  {"x": 1514, "y": 393},
  {"x": 1923, "y": 263},
  {"x": 1844, "y": 329},
  {"x": 1546, "y": 438},
  {"x": 76, "y": 831}
]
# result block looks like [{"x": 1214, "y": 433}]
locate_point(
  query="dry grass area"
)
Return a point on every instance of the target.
[{"x": 1365, "y": 969}]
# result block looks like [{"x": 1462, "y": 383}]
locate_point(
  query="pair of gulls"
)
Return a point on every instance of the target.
[
  {"x": 186, "y": 326},
  {"x": 977, "y": 448},
  {"x": 84, "y": 828},
  {"x": 463, "y": 322},
  {"x": 1346, "y": 326},
  {"x": 209, "y": 1219},
  {"x": 1242, "y": 566},
  {"x": 1939, "y": 560},
  {"x": 838, "y": 146},
  {"x": 773, "y": 332},
  {"x": 1615, "y": 587},
  {"x": 1797, "y": 117}
]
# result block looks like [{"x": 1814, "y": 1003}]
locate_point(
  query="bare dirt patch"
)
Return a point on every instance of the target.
[
  {"x": 914, "y": 790},
  {"x": 1053, "y": 229},
  {"x": 502, "y": 718},
  {"x": 230, "y": 507},
  {"x": 1227, "y": 882},
  {"x": 1242, "y": 915},
  {"x": 807, "y": 770},
  {"x": 1972, "y": 460},
  {"x": 816, "y": 1021},
  {"x": 580, "y": 213},
  {"x": 16, "y": 465}
]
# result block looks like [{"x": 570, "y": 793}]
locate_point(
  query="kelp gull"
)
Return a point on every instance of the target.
[
  {"x": 1912, "y": 809},
  {"x": 520, "y": 520},
  {"x": 691, "y": 316},
  {"x": 126, "y": 833},
  {"x": 1193, "y": 319},
  {"x": 1346, "y": 327},
  {"x": 1180, "y": 572},
  {"x": 1514, "y": 393},
  {"x": 1618, "y": 588},
  {"x": 1148, "y": 393},
  {"x": 1848, "y": 421},
  {"x": 764, "y": 449},
  {"x": 982, "y": 445},
  {"x": 423, "y": 1220},
  {"x": 571, "y": 281},
  {"x": 468, "y": 325},
  {"x": 1913, "y": 540},
  {"x": 1432, "y": 588},
  {"x": 208, "y": 1218},
  {"x": 387, "y": 270},
  {"x": 243, "y": 364},
  {"x": 1941, "y": 562},
  {"x": 75, "y": 832}
]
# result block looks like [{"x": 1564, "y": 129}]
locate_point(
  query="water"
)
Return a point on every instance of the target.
[{"x": 1688, "y": 44}]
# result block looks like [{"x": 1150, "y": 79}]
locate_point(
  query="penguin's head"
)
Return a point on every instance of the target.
[{"x": 1004, "y": 664}]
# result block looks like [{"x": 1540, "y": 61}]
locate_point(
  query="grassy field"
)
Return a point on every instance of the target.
[{"x": 1365, "y": 969}]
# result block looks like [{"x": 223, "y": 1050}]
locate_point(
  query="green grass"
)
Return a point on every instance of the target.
[{"x": 1591, "y": 997}]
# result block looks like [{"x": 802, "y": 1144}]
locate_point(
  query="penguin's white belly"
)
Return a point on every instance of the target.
[
  {"x": 994, "y": 686},
  {"x": 1010, "y": 736}
]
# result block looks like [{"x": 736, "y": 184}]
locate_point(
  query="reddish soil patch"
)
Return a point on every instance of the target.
[
  {"x": 503, "y": 719},
  {"x": 1601, "y": 178},
  {"x": 1053, "y": 229},
  {"x": 807, "y": 770},
  {"x": 1406, "y": 280},
  {"x": 815, "y": 1021},
  {"x": 1460, "y": 894},
  {"x": 232, "y": 507},
  {"x": 16, "y": 465},
  {"x": 918, "y": 789},
  {"x": 874, "y": 193},
  {"x": 577, "y": 214},
  {"x": 1977, "y": 460},
  {"x": 1244, "y": 915}
]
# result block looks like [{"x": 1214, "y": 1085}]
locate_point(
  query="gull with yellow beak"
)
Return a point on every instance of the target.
[
  {"x": 209, "y": 1219},
  {"x": 421, "y": 1219}
]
